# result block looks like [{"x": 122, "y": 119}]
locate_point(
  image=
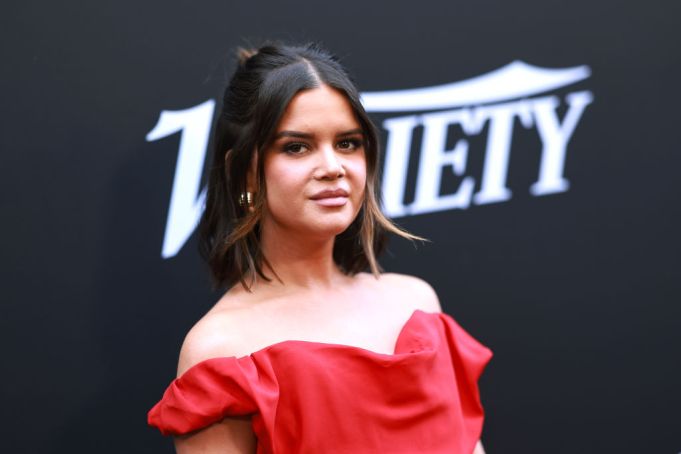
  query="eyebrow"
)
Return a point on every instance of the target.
[{"x": 305, "y": 135}]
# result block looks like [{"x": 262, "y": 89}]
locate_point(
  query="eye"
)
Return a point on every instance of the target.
[
  {"x": 350, "y": 144},
  {"x": 295, "y": 148}
]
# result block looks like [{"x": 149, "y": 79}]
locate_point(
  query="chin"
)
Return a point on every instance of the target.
[
  {"x": 330, "y": 227},
  {"x": 332, "y": 230}
]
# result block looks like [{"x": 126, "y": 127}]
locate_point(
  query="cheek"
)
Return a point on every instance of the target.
[
  {"x": 358, "y": 171},
  {"x": 283, "y": 182}
]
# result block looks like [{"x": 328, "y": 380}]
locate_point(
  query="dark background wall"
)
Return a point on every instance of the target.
[{"x": 576, "y": 292}]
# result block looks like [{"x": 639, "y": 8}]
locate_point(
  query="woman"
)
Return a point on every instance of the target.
[{"x": 306, "y": 352}]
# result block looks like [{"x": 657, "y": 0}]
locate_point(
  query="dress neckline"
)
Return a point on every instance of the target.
[
  {"x": 322, "y": 344},
  {"x": 329, "y": 345}
]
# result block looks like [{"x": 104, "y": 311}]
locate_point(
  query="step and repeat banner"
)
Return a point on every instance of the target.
[{"x": 535, "y": 144}]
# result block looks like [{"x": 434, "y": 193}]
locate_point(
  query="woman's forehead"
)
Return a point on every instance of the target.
[{"x": 321, "y": 108}]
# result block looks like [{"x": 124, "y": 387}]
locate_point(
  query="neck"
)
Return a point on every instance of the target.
[{"x": 300, "y": 260}]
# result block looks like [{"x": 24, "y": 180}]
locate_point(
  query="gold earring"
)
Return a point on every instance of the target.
[{"x": 246, "y": 199}]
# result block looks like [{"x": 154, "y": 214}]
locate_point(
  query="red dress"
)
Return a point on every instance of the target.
[{"x": 314, "y": 397}]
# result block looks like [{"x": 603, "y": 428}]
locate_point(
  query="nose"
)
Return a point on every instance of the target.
[{"x": 330, "y": 165}]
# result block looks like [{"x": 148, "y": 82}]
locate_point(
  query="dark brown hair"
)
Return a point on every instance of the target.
[{"x": 264, "y": 83}]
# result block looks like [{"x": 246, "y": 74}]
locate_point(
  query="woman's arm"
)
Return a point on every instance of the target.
[{"x": 229, "y": 436}]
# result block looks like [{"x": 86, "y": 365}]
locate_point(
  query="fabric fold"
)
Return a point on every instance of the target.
[{"x": 203, "y": 395}]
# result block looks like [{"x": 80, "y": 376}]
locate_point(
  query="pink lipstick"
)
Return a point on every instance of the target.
[{"x": 331, "y": 197}]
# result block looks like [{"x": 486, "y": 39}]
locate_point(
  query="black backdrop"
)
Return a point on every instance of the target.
[{"x": 577, "y": 292}]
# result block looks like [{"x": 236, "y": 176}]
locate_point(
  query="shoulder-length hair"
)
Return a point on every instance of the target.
[{"x": 261, "y": 88}]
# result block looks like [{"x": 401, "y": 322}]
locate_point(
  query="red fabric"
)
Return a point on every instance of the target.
[{"x": 319, "y": 397}]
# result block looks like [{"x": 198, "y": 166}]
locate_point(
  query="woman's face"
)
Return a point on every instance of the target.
[{"x": 315, "y": 169}]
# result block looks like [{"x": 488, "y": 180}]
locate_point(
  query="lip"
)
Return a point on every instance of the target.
[{"x": 331, "y": 197}]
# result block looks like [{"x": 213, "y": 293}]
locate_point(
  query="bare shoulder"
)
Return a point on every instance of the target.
[
  {"x": 413, "y": 289},
  {"x": 219, "y": 333}
]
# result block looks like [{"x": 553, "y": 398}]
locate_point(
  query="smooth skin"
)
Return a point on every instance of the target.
[{"x": 318, "y": 147}]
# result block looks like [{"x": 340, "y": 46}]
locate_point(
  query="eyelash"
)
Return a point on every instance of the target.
[
  {"x": 290, "y": 147},
  {"x": 354, "y": 143},
  {"x": 294, "y": 147}
]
